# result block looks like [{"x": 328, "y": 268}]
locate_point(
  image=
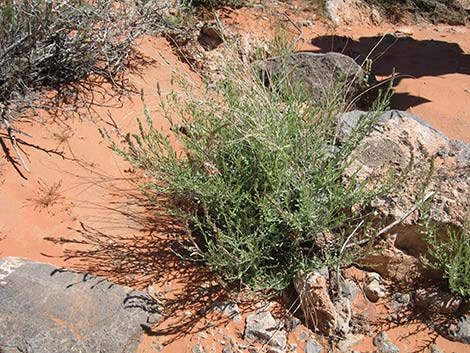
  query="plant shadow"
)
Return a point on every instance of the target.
[
  {"x": 60, "y": 105},
  {"x": 131, "y": 242},
  {"x": 400, "y": 55}
]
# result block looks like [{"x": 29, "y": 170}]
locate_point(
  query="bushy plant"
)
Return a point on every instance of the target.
[
  {"x": 47, "y": 44},
  {"x": 256, "y": 175},
  {"x": 449, "y": 252},
  {"x": 56, "y": 46}
]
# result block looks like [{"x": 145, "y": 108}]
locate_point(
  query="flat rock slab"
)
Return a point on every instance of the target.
[{"x": 48, "y": 310}]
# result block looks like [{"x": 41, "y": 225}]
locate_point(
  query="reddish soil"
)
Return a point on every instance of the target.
[
  {"x": 97, "y": 221},
  {"x": 431, "y": 63}
]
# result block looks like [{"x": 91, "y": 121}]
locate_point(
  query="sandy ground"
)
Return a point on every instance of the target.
[
  {"x": 431, "y": 63},
  {"x": 79, "y": 206}
]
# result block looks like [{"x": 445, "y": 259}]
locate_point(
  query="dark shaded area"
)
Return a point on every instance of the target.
[
  {"x": 403, "y": 56},
  {"x": 148, "y": 248},
  {"x": 404, "y": 101},
  {"x": 436, "y": 11},
  {"x": 11, "y": 159},
  {"x": 210, "y": 37}
]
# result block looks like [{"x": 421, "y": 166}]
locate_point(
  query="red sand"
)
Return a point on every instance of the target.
[{"x": 116, "y": 235}]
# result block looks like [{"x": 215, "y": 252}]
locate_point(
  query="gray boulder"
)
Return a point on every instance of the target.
[
  {"x": 313, "y": 346},
  {"x": 262, "y": 328},
  {"x": 44, "y": 309},
  {"x": 384, "y": 344},
  {"x": 398, "y": 139},
  {"x": 317, "y": 73},
  {"x": 461, "y": 332}
]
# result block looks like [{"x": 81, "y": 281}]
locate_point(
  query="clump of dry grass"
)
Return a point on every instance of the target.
[
  {"x": 55, "y": 46},
  {"x": 47, "y": 195},
  {"x": 48, "y": 44}
]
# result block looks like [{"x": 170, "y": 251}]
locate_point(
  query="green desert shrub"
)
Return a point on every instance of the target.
[
  {"x": 449, "y": 252},
  {"x": 256, "y": 175}
]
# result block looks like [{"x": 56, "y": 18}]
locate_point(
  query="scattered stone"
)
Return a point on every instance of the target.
[
  {"x": 375, "y": 17},
  {"x": 292, "y": 323},
  {"x": 273, "y": 350},
  {"x": 44, "y": 309},
  {"x": 303, "y": 336},
  {"x": 330, "y": 9},
  {"x": 263, "y": 305},
  {"x": 315, "y": 301},
  {"x": 348, "y": 289},
  {"x": 317, "y": 72},
  {"x": 343, "y": 315},
  {"x": 227, "y": 349},
  {"x": 313, "y": 346},
  {"x": 400, "y": 301},
  {"x": 384, "y": 344},
  {"x": 461, "y": 332},
  {"x": 348, "y": 342},
  {"x": 306, "y": 23},
  {"x": 228, "y": 309},
  {"x": 202, "y": 335},
  {"x": 228, "y": 338},
  {"x": 291, "y": 347},
  {"x": 435, "y": 349},
  {"x": 159, "y": 348},
  {"x": 262, "y": 328},
  {"x": 434, "y": 299},
  {"x": 374, "y": 289},
  {"x": 405, "y": 30},
  {"x": 198, "y": 349}
]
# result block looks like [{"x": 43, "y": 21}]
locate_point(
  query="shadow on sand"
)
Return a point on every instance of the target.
[
  {"x": 403, "y": 55},
  {"x": 131, "y": 243},
  {"x": 75, "y": 100}
]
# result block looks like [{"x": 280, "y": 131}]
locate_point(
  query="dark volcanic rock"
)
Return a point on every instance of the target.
[
  {"x": 318, "y": 73},
  {"x": 48, "y": 310}
]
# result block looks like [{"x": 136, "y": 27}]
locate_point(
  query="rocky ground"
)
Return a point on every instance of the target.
[{"x": 79, "y": 208}]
